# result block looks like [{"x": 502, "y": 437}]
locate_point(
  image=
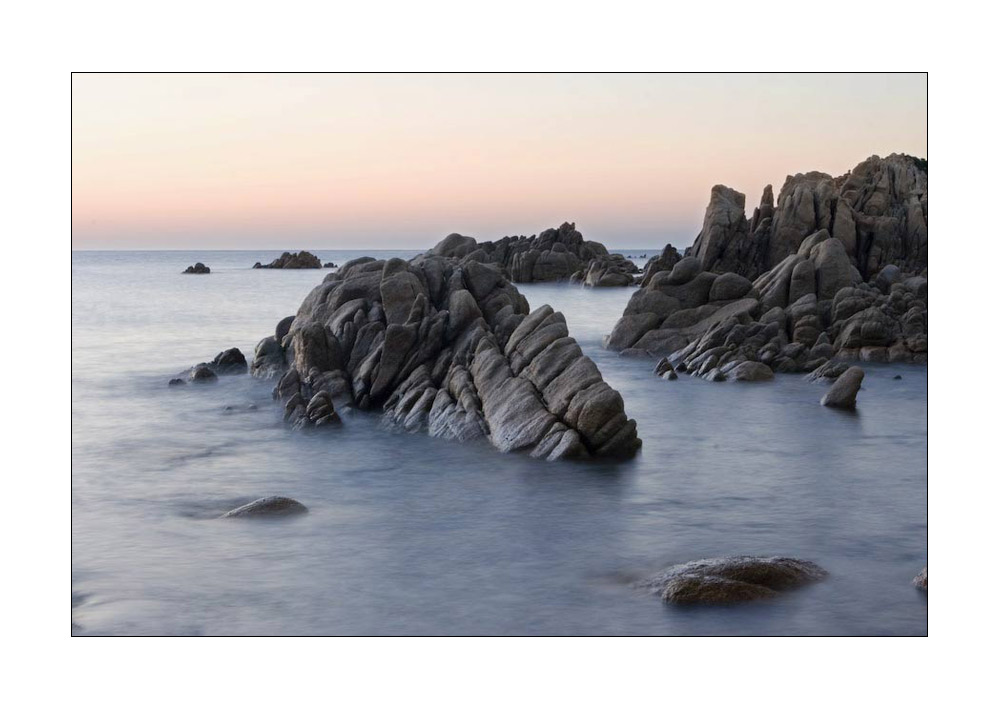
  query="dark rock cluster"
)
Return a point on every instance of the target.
[
  {"x": 228, "y": 362},
  {"x": 813, "y": 306},
  {"x": 732, "y": 579},
  {"x": 447, "y": 345},
  {"x": 198, "y": 268},
  {"x": 554, "y": 255},
  {"x": 301, "y": 259},
  {"x": 877, "y": 211}
]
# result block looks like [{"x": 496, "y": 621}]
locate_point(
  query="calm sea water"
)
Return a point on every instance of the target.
[{"x": 411, "y": 535}]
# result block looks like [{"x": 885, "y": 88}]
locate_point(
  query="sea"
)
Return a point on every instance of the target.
[{"x": 410, "y": 535}]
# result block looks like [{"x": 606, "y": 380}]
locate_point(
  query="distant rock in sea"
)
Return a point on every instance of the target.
[
  {"x": 733, "y": 579},
  {"x": 228, "y": 362},
  {"x": 329, "y": 264},
  {"x": 198, "y": 268},
  {"x": 301, "y": 259},
  {"x": 553, "y": 255},
  {"x": 447, "y": 345}
]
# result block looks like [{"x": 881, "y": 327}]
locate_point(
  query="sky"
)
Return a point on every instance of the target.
[{"x": 327, "y": 161}]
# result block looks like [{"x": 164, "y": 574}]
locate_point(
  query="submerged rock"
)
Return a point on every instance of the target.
[
  {"x": 732, "y": 579},
  {"x": 176, "y": 382},
  {"x": 920, "y": 580},
  {"x": 447, "y": 346},
  {"x": 301, "y": 259},
  {"x": 230, "y": 361},
  {"x": 202, "y": 373},
  {"x": 844, "y": 392},
  {"x": 198, "y": 268},
  {"x": 268, "y": 507}
]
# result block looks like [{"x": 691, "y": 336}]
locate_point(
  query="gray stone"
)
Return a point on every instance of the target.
[{"x": 843, "y": 393}]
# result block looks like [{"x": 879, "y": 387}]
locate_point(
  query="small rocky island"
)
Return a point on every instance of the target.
[
  {"x": 447, "y": 345},
  {"x": 198, "y": 268},
  {"x": 300, "y": 259},
  {"x": 839, "y": 271},
  {"x": 559, "y": 254}
]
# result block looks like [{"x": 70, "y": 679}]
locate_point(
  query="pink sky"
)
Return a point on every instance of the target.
[{"x": 399, "y": 161}]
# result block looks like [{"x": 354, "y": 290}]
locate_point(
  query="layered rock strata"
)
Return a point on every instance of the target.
[{"x": 447, "y": 346}]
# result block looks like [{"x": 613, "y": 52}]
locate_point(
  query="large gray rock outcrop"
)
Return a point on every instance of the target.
[
  {"x": 732, "y": 579},
  {"x": 877, "y": 212},
  {"x": 448, "y": 346}
]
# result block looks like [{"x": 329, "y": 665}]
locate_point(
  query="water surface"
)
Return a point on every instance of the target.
[{"x": 412, "y": 535}]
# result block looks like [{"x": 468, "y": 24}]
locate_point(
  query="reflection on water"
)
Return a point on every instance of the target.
[{"x": 410, "y": 535}]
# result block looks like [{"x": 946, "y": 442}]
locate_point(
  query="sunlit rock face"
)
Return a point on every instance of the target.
[
  {"x": 559, "y": 254},
  {"x": 445, "y": 345}
]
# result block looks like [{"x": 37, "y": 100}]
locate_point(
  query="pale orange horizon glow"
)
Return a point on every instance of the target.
[{"x": 399, "y": 161}]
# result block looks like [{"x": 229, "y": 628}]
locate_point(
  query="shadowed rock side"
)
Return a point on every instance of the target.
[
  {"x": 667, "y": 259},
  {"x": 446, "y": 346},
  {"x": 878, "y": 212},
  {"x": 731, "y": 579},
  {"x": 810, "y": 308},
  {"x": 302, "y": 259},
  {"x": 554, "y": 255}
]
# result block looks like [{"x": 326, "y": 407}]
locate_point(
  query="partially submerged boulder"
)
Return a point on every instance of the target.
[
  {"x": 447, "y": 346},
  {"x": 198, "y": 268},
  {"x": 230, "y": 361},
  {"x": 275, "y": 506},
  {"x": 843, "y": 393},
  {"x": 300, "y": 259},
  {"x": 732, "y": 579},
  {"x": 920, "y": 580}
]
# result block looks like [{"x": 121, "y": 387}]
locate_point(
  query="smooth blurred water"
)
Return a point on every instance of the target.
[{"x": 412, "y": 535}]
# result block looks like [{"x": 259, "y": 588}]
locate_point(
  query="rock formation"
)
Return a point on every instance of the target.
[
  {"x": 920, "y": 580},
  {"x": 444, "y": 344},
  {"x": 230, "y": 361},
  {"x": 301, "y": 259},
  {"x": 877, "y": 211},
  {"x": 607, "y": 271},
  {"x": 844, "y": 392},
  {"x": 812, "y": 307},
  {"x": 198, "y": 268},
  {"x": 731, "y": 579},
  {"x": 268, "y": 507},
  {"x": 554, "y": 255},
  {"x": 667, "y": 259}
]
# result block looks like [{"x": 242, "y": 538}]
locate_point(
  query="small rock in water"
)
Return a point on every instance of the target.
[
  {"x": 275, "y": 506},
  {"x": 920, "y": 581},
  {"x": 844, "y": 392},
  {"x": 198, "y": 268},
  {"x": 176, "y": 382},
  {"x": 732, "y": 579},
  {"x": 202, "y": 373},
  {"x": 229, "y": 361},
  {"x": 898, "y": 376}
]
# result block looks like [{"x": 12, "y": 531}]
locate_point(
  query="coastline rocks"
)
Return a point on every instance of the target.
[
  {"x": 268, "y": 507},
  {"x": 301, "y": 259},
  {"x": 198, "y": 268},
  {"x": 553, "y": 255},
  {"x": 664, "y": 262},
  {"x": 329, "y": 264},
  {"x": 732, "y": 579},
  {"x": 877, "y": 212},
  {"x": 176, "y": 382},
  {"x": 920, "y": 580},
  {"x": 446, "y": 346},
  {"x": 843, "y": 393}
]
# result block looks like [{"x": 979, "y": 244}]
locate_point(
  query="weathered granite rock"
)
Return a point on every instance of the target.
[
  {"x": 301, "y": 259},
  {"x": 445, "y": 345},
  {"x": 920, "y": 580},
  {"x": 553, "y": 255},
  {"x": 202, "y": 373},
  {"x": 844, "y": 392},
  {"x": 268, "y": 507},
  {"x": 732, "y": 579},
  {"x": 667, "y": 259},
  {"x": 198, "y": 268}
]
